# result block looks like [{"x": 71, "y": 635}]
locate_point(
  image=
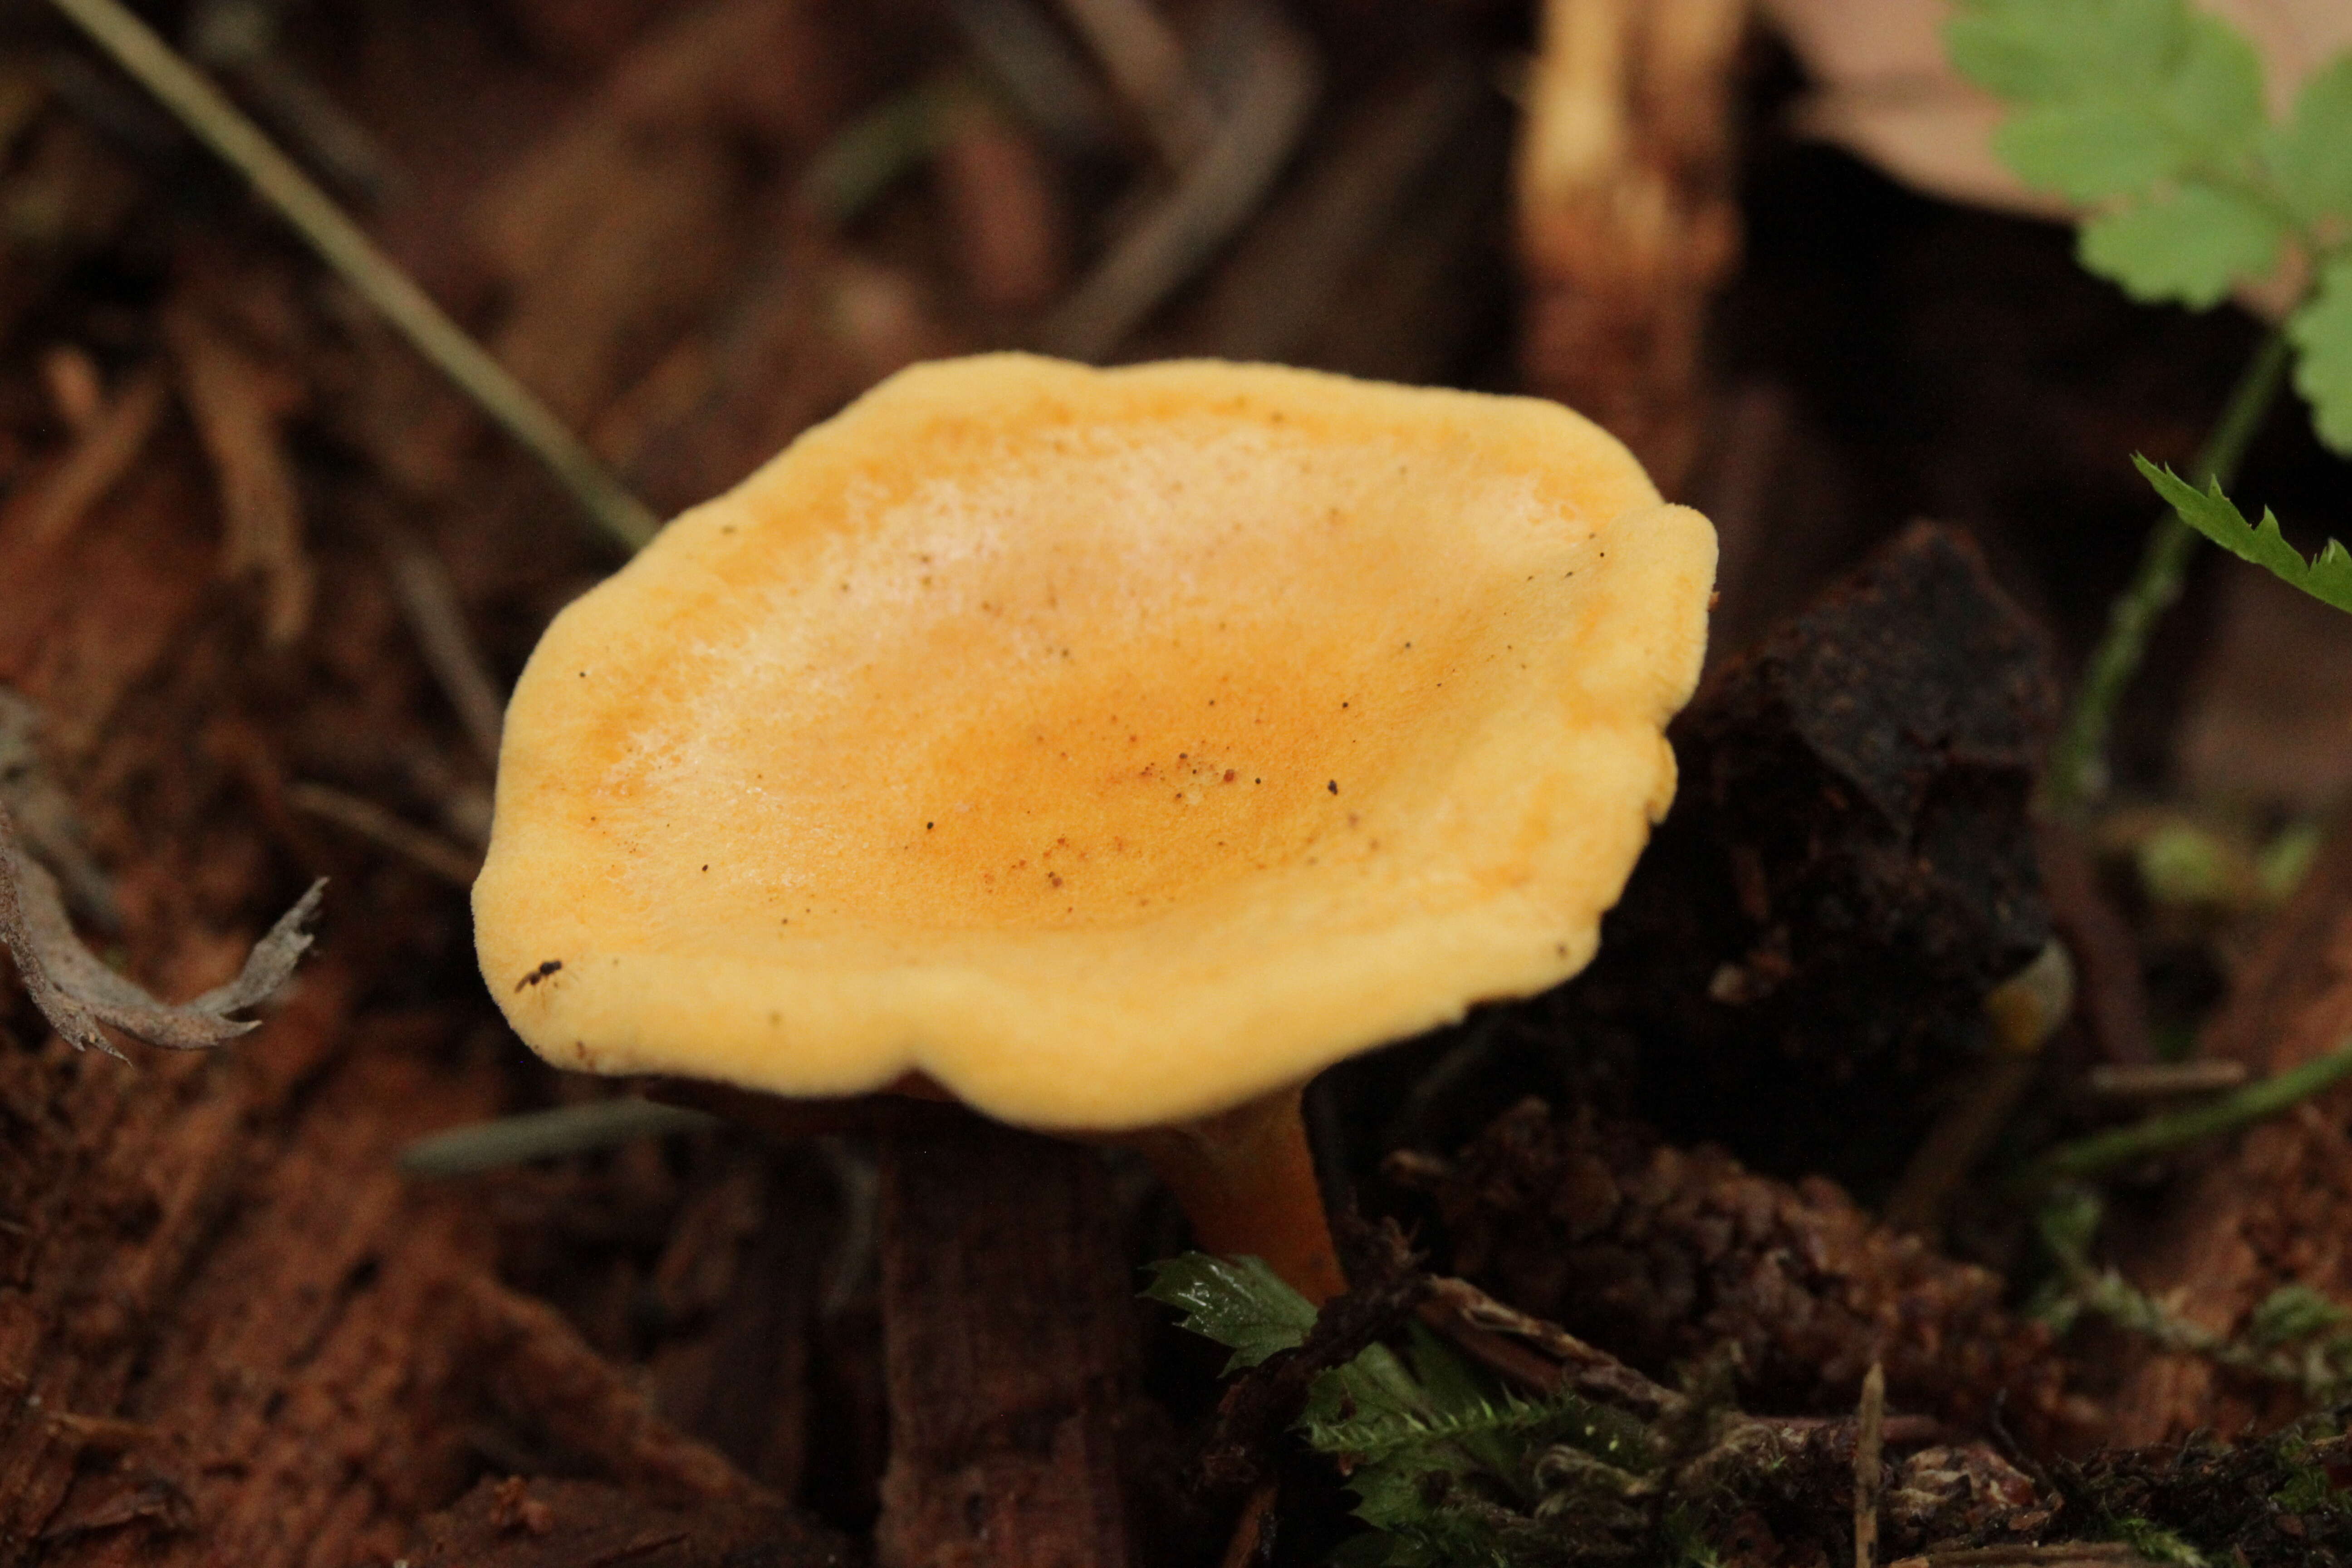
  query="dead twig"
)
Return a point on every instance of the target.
[
  {"x": 1145, "y": 61},
  {"x": 428, "y": 602},
  {"x": 45, "y": 814},
  {"x": 426, "y": 851},
  {"x": 1219, "y": 189}
]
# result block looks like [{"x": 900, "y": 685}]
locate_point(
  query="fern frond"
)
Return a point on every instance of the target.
[{"x": 1381, "y": 1434}]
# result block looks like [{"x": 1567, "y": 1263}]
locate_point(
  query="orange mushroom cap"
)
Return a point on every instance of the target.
[{"x": 1109, "y": 747}]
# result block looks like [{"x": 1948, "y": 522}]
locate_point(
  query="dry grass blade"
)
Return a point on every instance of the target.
[
  {"x": 1220, "y": 188},
  {"x": 429, "y": 851},
  {"x": 1146, "y": 62},
  {"x": 428, "y": 602},
  {"x": 77, "y": 993},
  {"x": 343, "y": 246}
]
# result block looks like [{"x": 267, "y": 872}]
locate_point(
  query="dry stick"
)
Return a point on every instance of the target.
[
  {"x": 2077, "y": 772},
  {"x": 1040, "y": 72},
  {"x": 429, "y": 602},
  {"x": 1145, "y": 61},
  {"x": 342, "y": 246},
  {"x": 1220, "y": 188},
  {"x": 429, "y": 851},
  {"x": 1869, "y": 1469}
]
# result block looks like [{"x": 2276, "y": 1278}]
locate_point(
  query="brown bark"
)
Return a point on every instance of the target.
[
  {"x": 515, "y": 1523},
  {"x": 2267, "y": 1209},
  {"x": 1009, "y": 1340}
]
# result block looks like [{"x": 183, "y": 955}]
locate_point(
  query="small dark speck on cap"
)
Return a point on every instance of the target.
[
  {"x": 1333, "y": 786},
  {"x": 536, "y": 975}
]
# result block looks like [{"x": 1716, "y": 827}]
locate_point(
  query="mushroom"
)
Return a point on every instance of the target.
[{"x": 1109, "y": 750}]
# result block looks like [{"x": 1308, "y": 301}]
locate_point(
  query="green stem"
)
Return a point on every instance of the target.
[
  {"x": 2103, "y": 1152},
  {"x": 2077, "y": 772},
  {"x": 344, "y": 246}
]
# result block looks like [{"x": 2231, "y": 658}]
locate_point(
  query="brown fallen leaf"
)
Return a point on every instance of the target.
[{"x": 77, "y": 993}]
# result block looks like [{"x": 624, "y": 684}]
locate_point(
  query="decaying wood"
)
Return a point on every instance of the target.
[
  {"x": 2267, "y": 1209},
  {"x": 1626, "y": 221},
  {"x": 1009, "y": 1340},
  {"x": 515, "y": 1523},
  {"x": 1807, "y": 945},
  {"x": 230, "y": 1331},
  {"x": 745, "y": 1265}
]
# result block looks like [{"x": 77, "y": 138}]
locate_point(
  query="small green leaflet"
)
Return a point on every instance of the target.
[
  {"x": 2327, "y": 578},
  {"x": 2292, "y": 1314},
  {"x": 2188, "y": 244},
  {"x": 2307, "y": 155},
  {"x": 2150, "y": 113},
  {"x": 2112, "y": 97},
  {"x": 1446, "y": 1470},
  {"x": 2322, "y": 334},
  {"x": 1237, "y": 1301}
]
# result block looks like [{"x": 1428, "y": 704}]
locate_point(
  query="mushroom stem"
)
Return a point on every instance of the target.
[{"x": 1246, "y": 1179}]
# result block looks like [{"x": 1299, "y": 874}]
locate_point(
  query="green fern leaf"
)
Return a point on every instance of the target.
[
  {"x": 1237, "y": 1301},
  {"x": 2321, "y": 333},
  {"x": 2327, "y": 577},
  {"x": 2112, "y": 98},
  {"x": 2189, "y": 244},
  {"x": 2310, "y": 157}
]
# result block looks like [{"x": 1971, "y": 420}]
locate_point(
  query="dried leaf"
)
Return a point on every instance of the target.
[{"x": 77, "y": 993}]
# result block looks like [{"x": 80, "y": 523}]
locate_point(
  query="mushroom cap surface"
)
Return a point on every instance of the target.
[{"x": 1111, "y": 747}]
